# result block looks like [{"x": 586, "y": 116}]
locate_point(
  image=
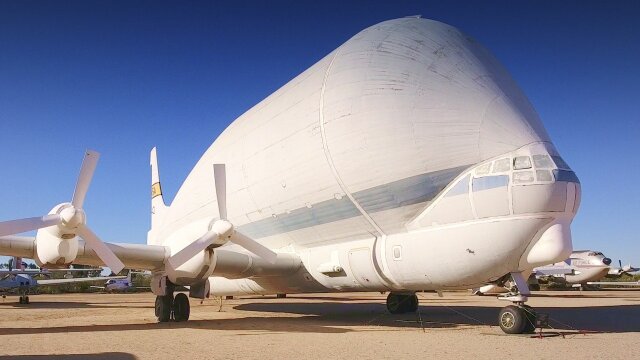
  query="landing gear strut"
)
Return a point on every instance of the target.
[
  {"x": 168, "y": 308},
  {"x": 402, "y": 303},
  {"x": 517, "y": 318}
]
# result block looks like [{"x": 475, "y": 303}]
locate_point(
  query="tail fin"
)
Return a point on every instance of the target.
[{"x": 158, "y": 206}]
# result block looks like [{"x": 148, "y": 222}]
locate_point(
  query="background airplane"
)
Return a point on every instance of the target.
[
  {"x": 584, "y": 267},
  {"x": 121, "y": 285},
  {"x": 21, "y": 281}
]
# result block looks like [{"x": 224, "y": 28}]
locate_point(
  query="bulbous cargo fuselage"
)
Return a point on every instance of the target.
[{"x": 393, "y": 157}]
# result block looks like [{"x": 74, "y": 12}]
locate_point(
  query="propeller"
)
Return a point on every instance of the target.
[
  {"x": 221, "y": 230},
  {"x": 71, "y": 217}
]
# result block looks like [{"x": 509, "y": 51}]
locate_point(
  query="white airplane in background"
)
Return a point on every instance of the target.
[
  {"x": 120, "y": 284},
  {"x": 583, "y": 267},
  {"x": 407, "y": 149},
  {"x": 21, "y": 280}
]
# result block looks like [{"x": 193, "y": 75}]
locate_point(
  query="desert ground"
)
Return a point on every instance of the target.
[{"x": 593, "y": 324}]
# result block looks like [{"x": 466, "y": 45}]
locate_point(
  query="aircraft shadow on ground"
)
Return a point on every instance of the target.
[
  {"x": 36, "y": 305},
  {"x": 615, "y": 319},
  {"x": 335, "y": 317},
  {"x": 97, "y": 356}
]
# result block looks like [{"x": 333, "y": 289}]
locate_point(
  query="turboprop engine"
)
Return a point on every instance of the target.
[
  {"x": 195, "y": 262},
  {"x": 57, "y": 245},
  {"x": 57, "y": 237}
]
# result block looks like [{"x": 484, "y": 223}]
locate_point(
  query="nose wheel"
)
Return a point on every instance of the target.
[
  {"x": 402, "y": 303},
  {"x": 168, "y": 308},
  {"x": 515, "y": 319}
]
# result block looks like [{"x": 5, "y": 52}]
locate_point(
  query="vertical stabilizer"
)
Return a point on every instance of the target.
[{"x": 158, "y": 207}]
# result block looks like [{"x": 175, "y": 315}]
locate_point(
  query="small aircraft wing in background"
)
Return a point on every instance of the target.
[{"x": 77, "y": 280}]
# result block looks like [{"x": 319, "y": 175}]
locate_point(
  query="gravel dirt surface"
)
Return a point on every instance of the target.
[{"x": 593, "y": 324}]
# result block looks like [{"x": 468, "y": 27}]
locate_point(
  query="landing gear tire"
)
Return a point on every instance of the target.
[
  {"x": 411, "y": 303},
  {"x": 516, "y": 320},
  {"x": 181, "y": 307},
  {"x": 26, "y": 299},
  {"x": 163, "y": 308},
  {"x": 402, "y": 303}
]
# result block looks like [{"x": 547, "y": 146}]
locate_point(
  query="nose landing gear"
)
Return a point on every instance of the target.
[{"x": 517, "y": 318}]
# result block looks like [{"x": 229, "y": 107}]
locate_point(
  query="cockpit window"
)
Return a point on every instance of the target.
[
  {"x": 544, "y": 175},
  {"x": 521, "y": 162},
  {"x": 565, "y": 175},
  {"x": 560, "y": 163},
  {"x": 502, "y": 165},
  {"x": 542, "y": 161},
  {"x": 522, "y": 177}
]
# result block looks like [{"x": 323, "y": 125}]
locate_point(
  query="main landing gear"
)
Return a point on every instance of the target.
[
  {"x": 517, "y": 318},
  {"x": 402, "y": 303},
  {"x": 24, "y": 299},
  {"x": 170, "y": 308}
]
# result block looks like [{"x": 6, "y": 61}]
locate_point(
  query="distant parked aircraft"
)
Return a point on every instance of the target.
[
  {"x": 121, "y": 284},
  {"x": 584, "y": 267},
  {"x": 21, "y": 281}
]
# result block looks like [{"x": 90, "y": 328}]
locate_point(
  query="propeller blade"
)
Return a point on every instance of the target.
[
  {"x": 102, "y": 250},
  {"x": 191, "y": 250},
  {"x": 220, "y": 177},
  {"x": 13, "y": 227},
  {"x": 254, "y": 246},
  {"x": 84, "y": 179},
  {"x": 620, "y": 263}
]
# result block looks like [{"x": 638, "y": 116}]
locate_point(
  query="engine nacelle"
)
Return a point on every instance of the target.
[
  {"x": 56, "y": 247},
  {"x": 197, "y": 269}
]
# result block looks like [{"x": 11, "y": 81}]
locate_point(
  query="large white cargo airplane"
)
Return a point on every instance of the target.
[{"x": 405, "y": 160}]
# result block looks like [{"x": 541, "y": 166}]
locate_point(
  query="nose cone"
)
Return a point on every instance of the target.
[{"x": 606, "y": 261}]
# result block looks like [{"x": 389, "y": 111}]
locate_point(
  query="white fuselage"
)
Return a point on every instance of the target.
[{"x": 387, "y": 165}]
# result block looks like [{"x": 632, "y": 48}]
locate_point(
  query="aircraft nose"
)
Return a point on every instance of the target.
[{"x": 606, "y": 261}]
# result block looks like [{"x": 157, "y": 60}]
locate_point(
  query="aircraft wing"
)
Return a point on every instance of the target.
[
  {"x": 77, "y": 280},
  {"x": 134, "y": 256},
  {"x": 20, "y": 272}
]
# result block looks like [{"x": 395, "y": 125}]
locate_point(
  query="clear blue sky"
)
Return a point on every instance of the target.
[{"x": 124, "y": 76}]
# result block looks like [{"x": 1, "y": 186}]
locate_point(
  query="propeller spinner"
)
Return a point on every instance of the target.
[
  {"x": 70, "y": 217},
  {"x": 222, "y": 230}
]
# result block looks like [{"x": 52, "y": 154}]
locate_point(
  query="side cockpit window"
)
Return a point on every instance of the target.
[{"x": 542, "y": 162}]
